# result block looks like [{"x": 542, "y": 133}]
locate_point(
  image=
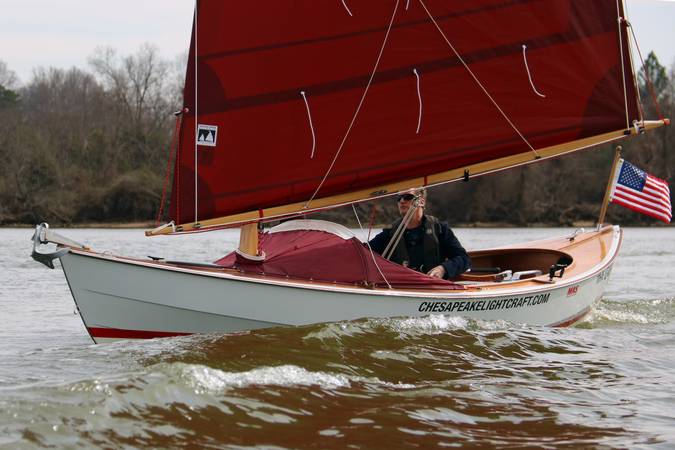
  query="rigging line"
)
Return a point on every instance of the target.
[
  {"x": 196, "y": 112},
  {"x": 347, "y": 8},
  {"x": 177, "y": 175},
  {"x": 407, "y": 4},
  {"x": 494, "y": 102},
  {"x": 358, "y": 108},
  {"x": 619, "y": 20},
  {"x": 311, "y": 125},
  {"x": 372, "y": 219},
  {"x": 647, "y": 77},
  {"x": 372, "y": 253},
  {"x": 398, "y": 234},
  {"x": 529, "y": 76},
  {"x": 396, "y": 238},
  {"x": 419, "y": 99},
  {"x": 641, "y": 112},
  {"x": 638, "y": 97},
  {"x": 172, "y": 152}
]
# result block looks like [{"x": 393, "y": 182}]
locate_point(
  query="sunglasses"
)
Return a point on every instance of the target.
[{"x": 406, "y": 197}]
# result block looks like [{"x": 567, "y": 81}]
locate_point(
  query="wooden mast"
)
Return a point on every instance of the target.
[
  {"x": 248, "y": 241},
  {"x": 605, "y": 201}
]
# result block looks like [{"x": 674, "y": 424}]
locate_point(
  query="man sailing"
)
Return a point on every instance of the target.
[{"x": 427, "y": 244}]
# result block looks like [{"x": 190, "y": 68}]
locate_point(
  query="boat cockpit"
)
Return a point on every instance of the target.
[{"x": 514, "y": 264}]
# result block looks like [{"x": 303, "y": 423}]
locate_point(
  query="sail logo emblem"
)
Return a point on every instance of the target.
[
  {"x": 207, "y": 135},
  {"x": 573, "y": 291}
]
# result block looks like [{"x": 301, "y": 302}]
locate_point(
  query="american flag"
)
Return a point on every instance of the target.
[{"x": 637, "y": 190}]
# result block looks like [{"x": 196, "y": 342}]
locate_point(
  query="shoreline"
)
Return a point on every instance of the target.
[{"x": 148, "y": 225}]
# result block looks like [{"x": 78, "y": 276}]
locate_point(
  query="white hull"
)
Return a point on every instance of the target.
[{"x": 121, "y": 298}]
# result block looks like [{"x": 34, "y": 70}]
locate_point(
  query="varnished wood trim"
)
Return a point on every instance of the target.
[{"x": 448, "y": 176}]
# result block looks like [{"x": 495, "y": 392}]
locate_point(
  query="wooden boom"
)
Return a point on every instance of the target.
[{"x": 448, "y": 176}]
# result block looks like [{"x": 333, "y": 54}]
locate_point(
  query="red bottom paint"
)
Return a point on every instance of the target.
[
  {"x": 572, "y": 320},
  {"x": 116, "y": 333}
]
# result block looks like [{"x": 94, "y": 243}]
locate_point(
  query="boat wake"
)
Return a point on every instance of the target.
[
  {"x": 206, "y": 379},
  {"x": 646, "y": 311},
  {"x": 346, "y": 380}
]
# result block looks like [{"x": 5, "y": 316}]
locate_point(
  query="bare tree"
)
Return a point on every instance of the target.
[
  {"x": 8, "y": 78},
  {"x": 137, "y": 82},
  {"x": 177, "y": 80}
]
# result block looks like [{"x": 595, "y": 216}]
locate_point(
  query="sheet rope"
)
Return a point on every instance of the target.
[{"x": 372, "y": 253}]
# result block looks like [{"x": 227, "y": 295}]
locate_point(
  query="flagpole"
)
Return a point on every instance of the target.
[{"x": 605, "y": 202}]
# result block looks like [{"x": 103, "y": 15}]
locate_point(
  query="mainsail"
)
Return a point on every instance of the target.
[{"x": 291, "y": 106}]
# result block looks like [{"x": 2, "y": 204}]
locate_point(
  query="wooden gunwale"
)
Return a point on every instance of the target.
[{"x": 583, "y": 249}]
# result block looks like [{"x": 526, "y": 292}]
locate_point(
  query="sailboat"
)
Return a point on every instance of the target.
[{"x": 304, "y": 106}]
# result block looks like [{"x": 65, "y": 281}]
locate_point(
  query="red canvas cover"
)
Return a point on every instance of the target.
[
  {"x": 255, "y": 59},
  {"x": 322, "y": 256}
]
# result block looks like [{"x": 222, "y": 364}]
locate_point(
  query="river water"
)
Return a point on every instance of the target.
[{"x": 431, "y": 382}]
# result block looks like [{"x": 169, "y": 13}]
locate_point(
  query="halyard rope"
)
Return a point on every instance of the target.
[
  {"x": 619, "y": 20},
  {"x": 477, "y": 80},
  {"x": 196, "y": 112},
  {"x": 358, "y": 108},
  {"x": 172, "y": 152},
  {"x": 650, "y": 85}
]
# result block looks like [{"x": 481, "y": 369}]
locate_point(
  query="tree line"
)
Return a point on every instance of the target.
[
  {"x": 82, "y": 146},
  {"x": 87, "y": 145}
]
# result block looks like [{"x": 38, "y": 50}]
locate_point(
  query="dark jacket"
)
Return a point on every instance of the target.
[{"x": 430, "y": 244}]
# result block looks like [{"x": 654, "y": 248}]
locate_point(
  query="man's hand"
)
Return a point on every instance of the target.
[{"x": 437, "y": 272}]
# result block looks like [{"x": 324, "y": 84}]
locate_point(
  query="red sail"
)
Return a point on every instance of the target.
[{"x": 554, "y": 68}]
